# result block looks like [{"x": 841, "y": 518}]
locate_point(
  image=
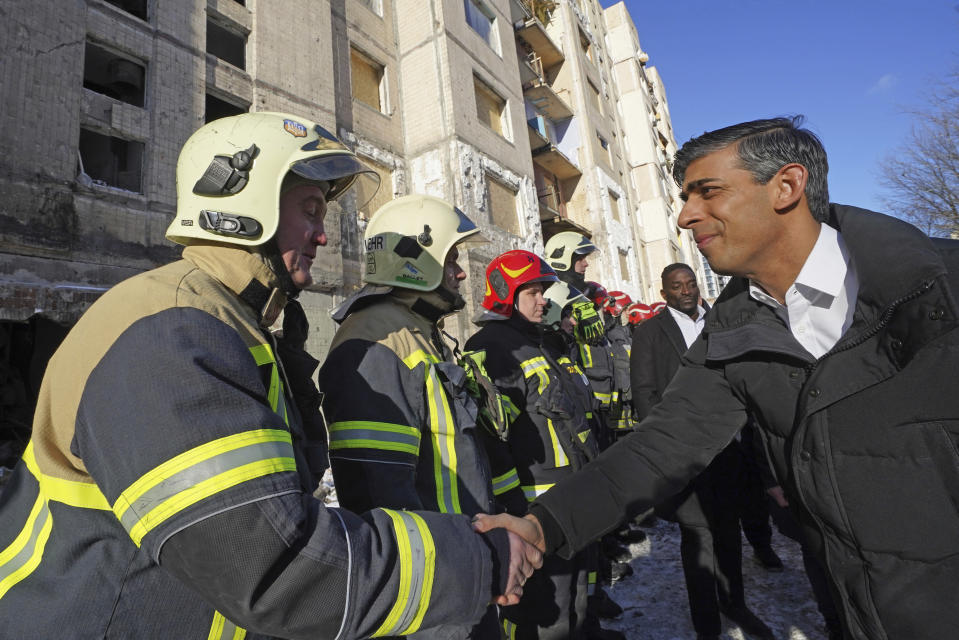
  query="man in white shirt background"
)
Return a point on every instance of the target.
[{"x": 708, "y": 509}]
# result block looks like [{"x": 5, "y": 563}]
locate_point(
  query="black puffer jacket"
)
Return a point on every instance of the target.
[{"x": 864, "y": 440}]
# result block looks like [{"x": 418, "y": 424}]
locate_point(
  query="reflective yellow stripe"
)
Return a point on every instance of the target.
[
  {"x": 367, "y": 434},
  {"x": 263, "y": 354},
  {"x": 586, "y": 355},
  {"x": 505, "y": 482},
  {"x": 443, "y": 432},
  {"x": 223, "y": 629},
  {"x": 533, "y": 491},
  {"x": 200, "y": 473},
  {"x": 512, "y": 411},
  {"x": 23, "y": 555},
  {"x": 539, "y": 367},
  {"x": 559, "y": 455},
  {"x": 75, "y": 494},
  {"x": 418, "y": 357},
  {"x": 417, "y": 556},
  {"x": 509, "y": 628}
]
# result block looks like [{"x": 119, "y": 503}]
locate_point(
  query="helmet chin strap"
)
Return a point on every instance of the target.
[
  {"x": 456, "y": 301},
  {"x": 272, "y": 254}
]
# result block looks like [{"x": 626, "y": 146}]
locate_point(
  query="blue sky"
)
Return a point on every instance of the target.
[{"x": 852, "y": 67}]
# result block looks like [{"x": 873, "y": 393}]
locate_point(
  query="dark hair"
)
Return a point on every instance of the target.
[
  {"x": 765, "y": 146},
  {"x": 676, "y": 266}
]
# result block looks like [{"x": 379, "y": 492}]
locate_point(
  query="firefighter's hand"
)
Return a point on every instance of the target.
[
  {"x": 589, "y": 325},
  {"x": 524, "y": 555}
]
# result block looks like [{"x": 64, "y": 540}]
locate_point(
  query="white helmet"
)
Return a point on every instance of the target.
[
  {"x": 230, "y": 172},
  {"x": 408, "y": 239},
  {"x": 559, "y": 297},
  {"x": 561, "y": 247}
]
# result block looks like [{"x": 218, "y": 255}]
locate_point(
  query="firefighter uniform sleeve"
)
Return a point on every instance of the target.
[
  {"x": 697, "y": 418},
  {"x": 192, "y": 452},
  {"x": 373, "y": 402}
]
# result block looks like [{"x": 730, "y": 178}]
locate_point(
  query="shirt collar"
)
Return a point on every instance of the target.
[
  {"x": 824, "y": 270},
  {"x": 679, "y": 315}
]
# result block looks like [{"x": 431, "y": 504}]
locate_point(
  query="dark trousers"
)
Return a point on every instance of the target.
[
  {"x": 553, "y": 606},
  {"x": 710, "y": 546}
]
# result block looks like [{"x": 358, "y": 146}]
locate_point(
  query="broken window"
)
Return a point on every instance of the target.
[
  {"x": 366, "y": 77},
  {"x": 112, "y": 74},
  {"x": 615, "y": 205},
  {"x": 490, "y": 108},
  {"x": 111, "y": 162},
  {"x": 134, "y": 7},
  {"x": 623, "y": 266},
  {"x": 502, "y": 205},
  {"x": 225, "y": 44},
  {"x": 216, "y": 109}
]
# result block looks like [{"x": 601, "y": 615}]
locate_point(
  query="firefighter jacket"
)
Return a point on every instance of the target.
[
  {"x": 164, "y": 493},
  {"x": 403, "y": 428},
  {"x": 551, "y": 434}
]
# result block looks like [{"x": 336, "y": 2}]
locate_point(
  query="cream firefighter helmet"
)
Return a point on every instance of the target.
[
  {"x": 408, "y": 239},
  {"x": 561, "y": 248},
  {"x": 230, "y": 173},
  {"x": 559, "y": 300}
]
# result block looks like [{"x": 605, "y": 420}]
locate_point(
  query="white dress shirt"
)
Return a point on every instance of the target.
[
  {"x": 820, "y": 303},
  {"x": 690, "y": 328}
]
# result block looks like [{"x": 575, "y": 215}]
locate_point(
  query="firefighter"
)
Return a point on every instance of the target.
[
  {"x": 549, "y": 437},
  {"x": 403, "y": 426},
  {"x": 637, "y": 313},
  {"x": 620, "y": 340},
  {"x": 567, "y": 253},
  {"x": 165, "y": 491}
]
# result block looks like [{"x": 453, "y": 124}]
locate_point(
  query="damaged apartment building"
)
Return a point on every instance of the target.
[{"x": 533, "y": 116}]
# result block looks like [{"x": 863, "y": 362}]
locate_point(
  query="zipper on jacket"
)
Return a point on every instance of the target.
[{"x": 875, "y": 328}]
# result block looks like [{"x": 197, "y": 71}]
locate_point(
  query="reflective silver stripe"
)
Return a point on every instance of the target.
[
  {"x": 505, "y": 482},
  {"x": 197, "y": 473},
  {"x": 533, "y": 491},
  {"x": 358, "y": 434},
  {"x": 223, "y": 629},
  {"x": 23, "y": 555},
  {"x": 444, "y": 448},
  {"x": 417, "y": 555}
]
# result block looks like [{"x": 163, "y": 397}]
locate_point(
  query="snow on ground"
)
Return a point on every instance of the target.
[{"x": 654, "y": 597}]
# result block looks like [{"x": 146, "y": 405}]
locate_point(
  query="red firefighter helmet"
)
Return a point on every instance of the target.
[
  {"x": 637, "y": 312},
  {"x": 616, "y": 302},
  {"x": 508, "y": 272},
  {"x": 657, "y": 307},
  {"x": 595, "y": 292}
]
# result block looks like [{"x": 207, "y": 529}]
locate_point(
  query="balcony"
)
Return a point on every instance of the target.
[
  {"x": 548, "y": 102},
  {"x": 542, "y": 144},
  {"x": 533, "y": 33}
]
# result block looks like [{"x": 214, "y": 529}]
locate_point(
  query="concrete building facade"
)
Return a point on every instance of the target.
[{"x": 533, "y": 116}]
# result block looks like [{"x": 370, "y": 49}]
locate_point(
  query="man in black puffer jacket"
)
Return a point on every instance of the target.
[{"x": 840, "y": 335}]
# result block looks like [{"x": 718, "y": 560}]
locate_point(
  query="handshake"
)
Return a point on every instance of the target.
[{"x": 526, "y": 547}]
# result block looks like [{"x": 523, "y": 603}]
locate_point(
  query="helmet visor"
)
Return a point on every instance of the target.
[{"x": 345, "y": 173}]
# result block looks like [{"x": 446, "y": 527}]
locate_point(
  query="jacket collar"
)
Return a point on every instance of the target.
[
  {"x": 243, "y": 272},
  {"x": 893, "y": 260}
]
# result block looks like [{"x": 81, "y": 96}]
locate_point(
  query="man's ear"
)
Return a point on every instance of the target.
[
  {"x": 790, "y": 182},
  {"x": 662, "y": 292}
]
